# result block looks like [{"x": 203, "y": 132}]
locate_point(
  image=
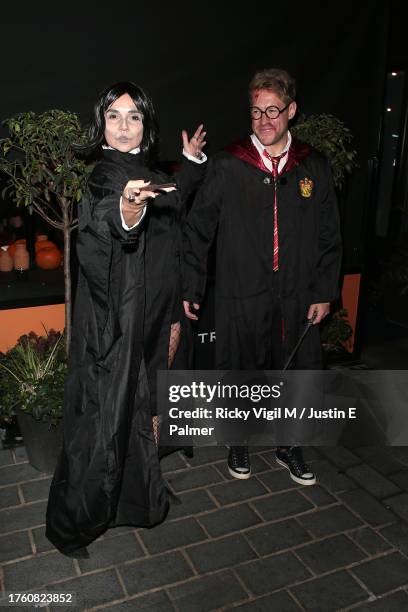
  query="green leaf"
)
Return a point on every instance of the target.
[{"x": 331, "y": 137}]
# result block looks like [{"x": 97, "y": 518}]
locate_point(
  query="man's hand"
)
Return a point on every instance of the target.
[
  {"x": 321, "y": 310},
  {"x": 194, "y": 145},
  {"x": 188, "y": 311}
]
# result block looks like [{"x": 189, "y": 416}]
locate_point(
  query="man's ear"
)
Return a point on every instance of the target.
[{"x": 292, "y": 110}]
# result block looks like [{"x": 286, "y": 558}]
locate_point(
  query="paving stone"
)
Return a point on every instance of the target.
[
  {"x": 207, "y": 593},
  {"x": 208, "y": 454},
  {"x": 14, "y": 546},
  {"x": 112, "y": 532},
  {"x": 372, "y": 481},
  {"x": 277, "y": 602},
  {"x": 332, "y": 478},
  {"x": 399, "y": 505},
  {"x": 329, "y": 520},
  {"x": 370, "y": 509},
  {"x": 380, "y": 459},
  {"x": 396, "y": 602},
  {"x": 257, "y": 465},
  {"x": 157, "y": 601},
  {"x": 397, "y": 534},
  {"x": 220, "y": 554},
  {"x": 22, "y": 472},
  {"x": 9, "y": 497},
  {"x": 155, "y": 572},
  {"x": 42, "y": 543},
  {"x": 111, "y": 551},
  {"x": 172, "y": 462},
  {"x": 370, "y": 541},
  {"x": 172, "y": 535},
  {"x": 237, "y": 490},
  {"x": 194, "y": 478},
  {"x": 340, "y": 456},
  {"x": 20, "y": 454},
  {"x": 401, "y": 479},
  {"x": 22, "y": 608},
  {"x": 92, "y": 590},
  {"x": 330, "y": 554},
  {"x": 400, "y": 453},
  {"x": 277, "y": 480},
  {"x": 6, "y": 457},
  {"x": 329, "y": 593},
  {"x": 270, "y": 574},
  {"x": 383, "y": 574},
  {"x": 22, "y": 517},
  {"x": 227, "y": 520},
  {"x": 192, "y": 502},
  {"x": 38, "y": 489},
  {"x": 318, "y": 495},
  {"x": 37, "y": 571},
  {"x": 277, "y": 536},
  {"x": 270, "y": 458},
  {"x": 282, "y": 505}
]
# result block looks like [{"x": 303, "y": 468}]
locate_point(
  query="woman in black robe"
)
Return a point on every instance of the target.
[{"x": 126, "y": 326}]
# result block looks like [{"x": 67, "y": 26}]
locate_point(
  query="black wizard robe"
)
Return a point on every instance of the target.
[
  {"x": 128, "y": 295},
  {"x": 236, "y": 203}
]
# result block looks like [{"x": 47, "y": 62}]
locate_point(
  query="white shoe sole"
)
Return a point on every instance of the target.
[
  {"x": 302, "y": 481},
  {"x": 240, "y": 476}
]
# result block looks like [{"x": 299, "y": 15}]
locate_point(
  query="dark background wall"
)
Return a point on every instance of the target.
[{"x": 196, "y": 60}]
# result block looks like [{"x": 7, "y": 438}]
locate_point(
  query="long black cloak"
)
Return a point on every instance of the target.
[
  {"x": 236, "y": 204},
  {"x": 128, "y": 295}
]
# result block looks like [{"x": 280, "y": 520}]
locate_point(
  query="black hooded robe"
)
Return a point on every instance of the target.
[{"x": 128, "y": 295}]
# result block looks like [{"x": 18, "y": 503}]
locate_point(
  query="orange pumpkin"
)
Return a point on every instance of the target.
[
  {"x": 48, "y": 258},
  {"x": 44, "y": 244}
]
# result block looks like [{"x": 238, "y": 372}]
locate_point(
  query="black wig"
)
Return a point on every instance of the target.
[{"x": 96, "y": 130}]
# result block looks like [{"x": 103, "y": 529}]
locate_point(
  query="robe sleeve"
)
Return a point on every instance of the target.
[
  {"x": 102, "y": 214},
  {"x": 329, "y": 250},
  {"x": 189, "y": 177},
  {"x": 199, "y": 231}
]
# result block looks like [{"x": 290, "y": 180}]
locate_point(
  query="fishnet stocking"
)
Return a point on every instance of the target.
[
  {"x": 175, "y": 331},
  {"x": 174, "y": 342}
]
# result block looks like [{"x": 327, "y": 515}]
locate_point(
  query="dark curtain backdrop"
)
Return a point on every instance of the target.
[{"x": 196, "y": 59}]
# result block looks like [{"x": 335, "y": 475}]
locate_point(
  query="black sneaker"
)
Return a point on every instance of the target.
[
  {"x": 292, "y": 460},
  {"x": 239, "y": 465}
]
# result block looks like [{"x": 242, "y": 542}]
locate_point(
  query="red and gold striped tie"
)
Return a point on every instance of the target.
[{"x": 275, "y": 174}]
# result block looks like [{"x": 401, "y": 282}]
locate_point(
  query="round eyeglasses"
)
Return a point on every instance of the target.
[{"x": 272, "y": 112}]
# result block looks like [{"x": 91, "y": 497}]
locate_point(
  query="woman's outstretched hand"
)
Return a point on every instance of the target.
[
  {"x": 134, "y": 199},
  {"x": 194, "y": 145}
]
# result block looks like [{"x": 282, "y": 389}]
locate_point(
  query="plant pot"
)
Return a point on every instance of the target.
[
  {"x": 21, "y": 257},
  {"x": 43, "y": 441},
  {"x": 6, "y": 260}
]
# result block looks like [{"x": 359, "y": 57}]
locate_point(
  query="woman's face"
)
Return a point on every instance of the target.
[{"x": 123, "y": 124}]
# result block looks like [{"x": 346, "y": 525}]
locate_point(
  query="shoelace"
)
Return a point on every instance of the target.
[
  {"x": 240, "y": 457},
  {"x": 298, "y": 463}
]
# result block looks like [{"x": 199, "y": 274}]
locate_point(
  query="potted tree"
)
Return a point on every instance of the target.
[
  {"x": 46, "y": 176},
  {"x": 32, "y": 376},
  {"x": 336, "y": 333}
]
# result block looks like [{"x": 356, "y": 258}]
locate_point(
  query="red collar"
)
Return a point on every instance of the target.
[{"x": 247, "y": 152}]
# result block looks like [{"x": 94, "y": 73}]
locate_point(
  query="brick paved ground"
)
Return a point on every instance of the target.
[{"x": 259, "y": 545}]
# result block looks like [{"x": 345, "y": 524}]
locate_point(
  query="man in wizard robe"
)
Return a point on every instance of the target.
[{"x": 270, "y": 201}]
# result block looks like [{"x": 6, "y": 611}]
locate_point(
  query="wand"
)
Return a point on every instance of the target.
[{"x": 299, "y": 342}]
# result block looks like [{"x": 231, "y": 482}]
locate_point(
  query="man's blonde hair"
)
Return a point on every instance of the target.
[{"x": 277, "y": 80}]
